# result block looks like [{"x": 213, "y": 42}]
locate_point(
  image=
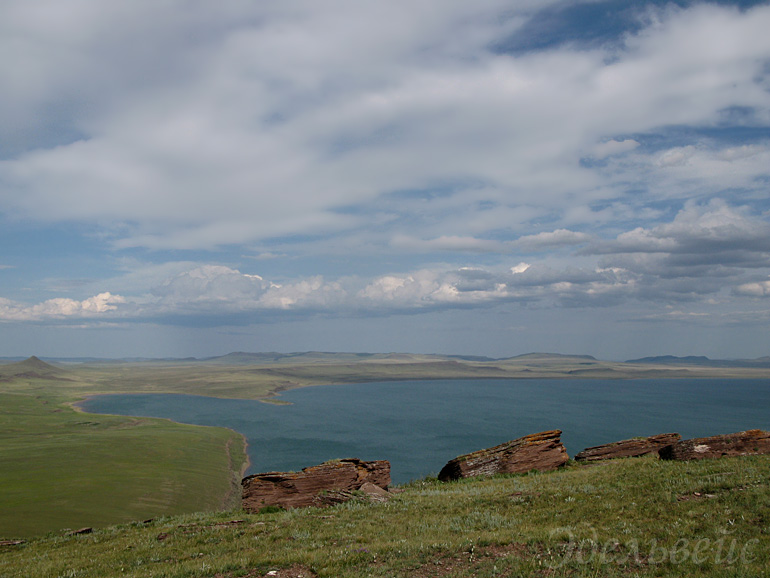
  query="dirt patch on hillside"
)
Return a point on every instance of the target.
[
  {"x": 473, "y": 558},
  {"x": 296, "y": 571}
]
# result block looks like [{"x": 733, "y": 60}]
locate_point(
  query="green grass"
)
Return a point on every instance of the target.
[
  {"x": 634, "y": 517},
  {"x": 61, "y": 468}
]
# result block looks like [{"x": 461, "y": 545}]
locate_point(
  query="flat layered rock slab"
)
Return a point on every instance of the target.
[
  {"x": 628, "y": 448},
  {"x": 541, "y": 451},
  {"x": 745, "y": 443},
  {"x": 305, "y": 488}
]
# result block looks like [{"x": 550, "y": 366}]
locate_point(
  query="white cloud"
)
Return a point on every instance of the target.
[
  {"x": 756, "y": 289},
  {"x": 447, "y": 243},
  {"x": 676, "y": 157},
  {"x": 714, "y": 229},
  {"x": 613, "y": 147},
  {"x": 551, "y": 240},
  {"x": 546, "y": 240},
  {"x": 61, "y": 308}
]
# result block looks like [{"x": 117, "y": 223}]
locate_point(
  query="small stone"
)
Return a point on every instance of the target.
[{"x": 375, "y": 493}]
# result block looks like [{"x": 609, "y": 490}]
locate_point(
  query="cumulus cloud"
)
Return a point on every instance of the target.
[
  {"x": 223, "y": 289},
  {"x": 713, "y": 233},
  {"x": 756, "y": 289},
  {"x": 551, "y": 240},
  {"x": 210, "y": 283},
  {"x": 212, "y": 289},
  {"x": 707, "y": 249},
  {"x": 61, "y": 308}
]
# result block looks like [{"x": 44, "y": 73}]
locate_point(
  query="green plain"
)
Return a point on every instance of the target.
[{"x": 65, "y": 469}]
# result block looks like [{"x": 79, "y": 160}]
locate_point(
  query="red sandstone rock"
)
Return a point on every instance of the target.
[
  {"x": 751, "y": 442},
  {"x": 541, "y": 451},
  {"x": 300, "y": 489},
  {"x": 375, "y": 493},
  {"x": 628, "y": 448}
]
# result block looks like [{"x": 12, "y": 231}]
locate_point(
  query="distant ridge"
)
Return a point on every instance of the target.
[
  {"x": 689, "y": 359},
  {"x": 551, "y": 356},
  {"x": 32, "y": 368},
  {"x": 242, "y": 357},
  {"x": 42, "y": 368},
  {"x": 702, "y": 361}
]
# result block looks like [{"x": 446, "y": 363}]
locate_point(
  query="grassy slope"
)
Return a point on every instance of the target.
[
  {"x": 635, "y": 517},
  {"x": 61, "y": 468}
]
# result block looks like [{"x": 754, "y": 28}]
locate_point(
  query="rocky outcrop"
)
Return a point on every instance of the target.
[
  {"x": 308, "y": 487},
  {"x": 540, "y": 451},
  {"x": 751, "y": 442},
  {"x": 628, "y": 448}
]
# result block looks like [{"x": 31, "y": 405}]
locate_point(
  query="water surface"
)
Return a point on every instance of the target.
[{"x": 420, "y": 425}]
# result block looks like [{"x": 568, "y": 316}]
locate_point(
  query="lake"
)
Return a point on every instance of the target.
[{"x": 420, "y": 425}]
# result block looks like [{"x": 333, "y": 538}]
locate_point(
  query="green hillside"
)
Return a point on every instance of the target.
[
  {"x": 633, "y": 517},
  {"x": 61, "y": 468}
]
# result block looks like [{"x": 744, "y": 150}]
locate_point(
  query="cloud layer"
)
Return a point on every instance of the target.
[
  {"x": 707, "y": 252},
  {"x": 262, "y": 121},
  {"x": 252, "y": 162}
]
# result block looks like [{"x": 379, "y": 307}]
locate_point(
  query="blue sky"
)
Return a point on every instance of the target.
[{"x": 189, "y": 178}]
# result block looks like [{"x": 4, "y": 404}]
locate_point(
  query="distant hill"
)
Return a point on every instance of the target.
[
  {"x": 472, "y": 358},
  {"x": 550, "y": 359},
  {"x": 32, "y": 368},
  {"x": 702, "y": 361},
  {"x": 553, "y": 356},
  {"x": 36, "y": 366},
  {"x": 244, "y": 358},
  {"x": 687, "y": 360}
]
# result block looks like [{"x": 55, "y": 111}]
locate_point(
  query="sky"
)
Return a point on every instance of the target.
[{"x": 189, "y": 178}]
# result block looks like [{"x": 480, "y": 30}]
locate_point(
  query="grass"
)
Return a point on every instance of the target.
[
  {"x": 633, "y": 517},
  {"x": 61, "y": 468}
]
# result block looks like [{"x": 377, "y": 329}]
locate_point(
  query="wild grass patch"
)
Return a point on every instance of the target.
[{"x": 616, "y": 520}]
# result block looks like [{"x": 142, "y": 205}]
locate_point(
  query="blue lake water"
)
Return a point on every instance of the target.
[{"x": 420, "y": 425}]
